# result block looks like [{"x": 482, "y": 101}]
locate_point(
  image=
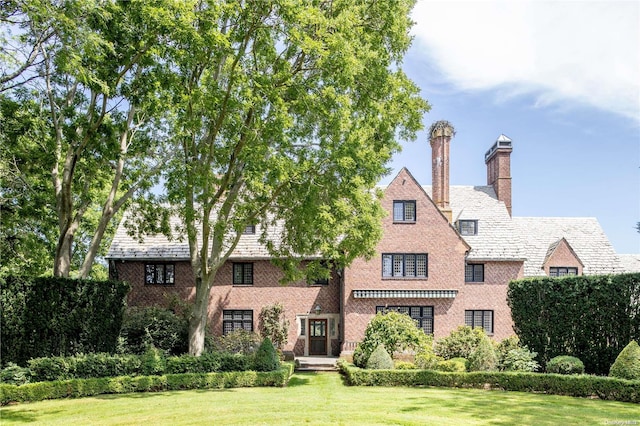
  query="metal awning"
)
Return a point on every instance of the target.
[{"x": 404, "y": 294}]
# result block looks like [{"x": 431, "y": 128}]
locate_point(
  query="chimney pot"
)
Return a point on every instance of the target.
[
  {"x": 498, "y": 161},
  {"x": 440, "y": 134}
]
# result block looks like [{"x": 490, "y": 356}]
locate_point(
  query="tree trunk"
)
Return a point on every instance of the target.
[
  {"x": 199, "y": 318},
  {"x": 62, "y": 261}
]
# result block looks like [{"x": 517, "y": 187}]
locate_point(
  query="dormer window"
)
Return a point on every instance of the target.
[
  {"x": 468, "y": 227},
  {"x": 404, "y": 211}
]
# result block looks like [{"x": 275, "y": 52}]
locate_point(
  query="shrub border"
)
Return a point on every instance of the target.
[
  {"x": 77, "y": 388},
  {"x": 608, "y": 388}
]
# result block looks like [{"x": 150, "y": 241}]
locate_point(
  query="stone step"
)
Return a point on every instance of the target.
[
  {"x": 313, "y": 368},
  {"x": 315, "y": 364}
]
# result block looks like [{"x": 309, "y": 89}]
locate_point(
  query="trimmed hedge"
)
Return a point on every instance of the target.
[
  {"x": 589, "y": 317},
  {"x": 50, "y": 316},
  {"x": 106, "y": 365},
  {"x": 77, "y": 388},
  {"x": 577, "y": 385}
]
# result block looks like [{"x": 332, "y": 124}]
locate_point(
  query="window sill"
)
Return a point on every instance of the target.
[
  {"x": 474, "y": 282},
  {"x": 404, "y": 222},
  {"x": 242, "y": 285},
  {"x": 404, "y": 278},
  {"x": 159, "y": 285}
]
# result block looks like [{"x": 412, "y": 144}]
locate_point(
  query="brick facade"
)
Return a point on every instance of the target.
[
  {"x": 449, "y": 292},
  {"x": 432, "y": 234},
  {"x": 299, "y": 299}
]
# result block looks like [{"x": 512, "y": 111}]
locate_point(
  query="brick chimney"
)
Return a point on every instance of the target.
[
  {"x": 440, "y": 134},
  {"x": 498, "y": 161}
]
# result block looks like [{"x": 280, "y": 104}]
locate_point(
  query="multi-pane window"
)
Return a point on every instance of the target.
[
  {"x": 468, "y": 227},
  {"x": 479, "y": 318},
  {"x": 474, "y": 273},
  {"x": 404, "y": 211},
  {"x": 243, "y": 273},
  {"x": 249, "y": 230},
  {"x": 422, "y": 315},
  {"x": 236, "y": 319},
  {"x": 561, "y": 271},
  {"x": 404, "y": 265},
  {"x": 159, "y": 273}
]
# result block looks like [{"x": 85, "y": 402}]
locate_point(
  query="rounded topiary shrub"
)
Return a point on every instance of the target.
[
  {"x": 266, "y": 358},
  {"x": 380, "y": 359},
  {"x": 565, "y": 364},
  {"x": 483, "y": 357},
  {"x": 627, "y": 364}
]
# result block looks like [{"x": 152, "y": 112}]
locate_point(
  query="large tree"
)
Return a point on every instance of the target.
[
  {"x": 88, "y": 72},
  {"x": 286, "y": 113}
]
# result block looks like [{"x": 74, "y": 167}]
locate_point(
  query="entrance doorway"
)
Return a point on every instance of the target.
[{"x": 317, "y": 337}]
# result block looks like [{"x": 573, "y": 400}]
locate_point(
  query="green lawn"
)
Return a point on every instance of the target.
[{"x": 323, "y": 399}]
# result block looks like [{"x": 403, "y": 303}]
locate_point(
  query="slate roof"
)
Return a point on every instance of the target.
[
  {"x": 159, "y": 247},
  {"x": 499, "y": 237},
  {"x": 584, "y": 235},
  {"x": 629, "y": 262}
]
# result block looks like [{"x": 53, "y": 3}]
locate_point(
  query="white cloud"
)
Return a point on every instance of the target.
[{"x": 583, "y": 51}]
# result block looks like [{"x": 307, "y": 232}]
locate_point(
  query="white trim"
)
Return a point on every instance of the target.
[{"x": 332, "y": 333}]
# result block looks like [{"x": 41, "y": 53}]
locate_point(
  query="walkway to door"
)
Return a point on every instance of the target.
[{"x": 316, "y": 363}]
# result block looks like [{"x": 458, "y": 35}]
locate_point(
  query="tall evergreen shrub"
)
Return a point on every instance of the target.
[
  {"x": 589, "y": 317},
  {"x": 51, "y": 316}
]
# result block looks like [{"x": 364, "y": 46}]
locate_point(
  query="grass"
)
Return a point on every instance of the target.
[{"x": 323, "y": 399}]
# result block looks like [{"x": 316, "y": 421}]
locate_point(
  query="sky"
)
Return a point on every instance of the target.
[{"x": 561, "y": 79}]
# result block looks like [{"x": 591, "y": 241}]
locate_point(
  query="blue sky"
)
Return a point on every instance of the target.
[{"x": 561, "y": 79}]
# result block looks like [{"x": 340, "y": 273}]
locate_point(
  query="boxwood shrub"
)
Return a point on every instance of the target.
[
  {"x": 105, "y": 365},
  {"x": 76, "y": 388},
  {"x": 556, "y": 384},
  {"x": 565, "y": 364},
  {"x": 627, "y": 364}
]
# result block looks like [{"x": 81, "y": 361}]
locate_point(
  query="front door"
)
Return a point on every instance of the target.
[{"x": 317, "y": 337}]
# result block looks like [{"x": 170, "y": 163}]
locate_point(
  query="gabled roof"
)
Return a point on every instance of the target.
[
  {"x": 584, "y": 235},
  {"x": 554, "y": 246},
  {"x": 428, "y": 193}
]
